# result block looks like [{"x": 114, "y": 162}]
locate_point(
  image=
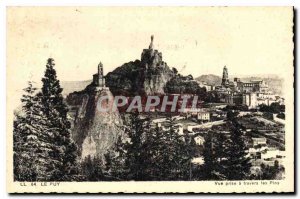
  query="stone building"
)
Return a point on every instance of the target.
[
  {"x": 234, "y": 98},
  {"x": 204, "y": 84},
  {"x": 203, "y": 116},
  {"x": 252, "y": 93},
  {"x": 259, "y": 140},
  {"x": 225, "y": 79},
  {"x": 250, "y": 99},
  {"x": 98, "y": 78},
  {"x": 252, "y": 86}
]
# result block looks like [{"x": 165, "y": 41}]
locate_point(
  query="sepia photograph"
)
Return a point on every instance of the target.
[{"x": 150, "y": 99}]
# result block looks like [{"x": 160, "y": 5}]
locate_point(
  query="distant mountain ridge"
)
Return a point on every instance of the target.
[
  {"x": 210, "y": 79},
  {"x": 71, "y": 86}
]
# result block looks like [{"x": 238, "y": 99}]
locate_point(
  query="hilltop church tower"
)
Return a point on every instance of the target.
[
  {"x": 225, "y": 79},
  {"x": 98, "y": 79}
]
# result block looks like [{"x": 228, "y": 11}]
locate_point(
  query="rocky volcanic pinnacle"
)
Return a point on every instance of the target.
[
  {"x": 146, "y": 76},
  {"x": 94, "y": 131}
]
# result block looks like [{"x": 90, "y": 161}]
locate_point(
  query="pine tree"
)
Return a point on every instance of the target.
[
  {"x": 135, "y": 159},
  {"x": 115, "y": 162},
  {"x": 220, "y": 151},
  {"x": 211, "y": 157},
  {"x": 152, "y": 148},
  {"x": 92, "y": 169},
  {"x": 151, "y": 153},
  {"x": 237, "y": 163},
  {"x": 24, "y": 169},
  {"x": 126, "y": 160},
  {"x": 65, "y": 150},
  {"x": 169, "y": 153},
  {"x": 52, "y": 99},
  {"x": 87, "y": 168},
  {"x": 214, "y": 155},
  {"x": 268, "y": 172},
  {"x": 31, "y": 147},
  {"x": 188, "y": 147}
]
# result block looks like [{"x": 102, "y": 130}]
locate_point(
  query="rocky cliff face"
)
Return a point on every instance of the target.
[
  {"x": 146, "y": 76},
  {"x": 127, "y": 79},
  {"x": 94, "y": 131},
  {"x": 156, "y": 72}
]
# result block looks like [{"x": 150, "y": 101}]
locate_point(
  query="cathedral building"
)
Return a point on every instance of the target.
[
  {"x": 250, "y": 93},
  {"x": 258, "y": 86}
]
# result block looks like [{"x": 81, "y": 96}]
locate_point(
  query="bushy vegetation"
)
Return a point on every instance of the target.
[
  {"x": 152, "y": 153},
  {"x": 184, "y": 85},
  {"x": 275, "y": 107},
  {"x": 225, "y": 155}
]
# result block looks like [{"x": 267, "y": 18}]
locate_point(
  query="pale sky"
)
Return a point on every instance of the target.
[{"x": 247, "y": 40}]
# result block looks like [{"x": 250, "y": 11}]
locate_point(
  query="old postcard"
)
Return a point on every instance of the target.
[{"x": 150, "y": 99}]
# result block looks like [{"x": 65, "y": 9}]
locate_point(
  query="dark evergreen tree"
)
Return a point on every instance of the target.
[
  {"x": 151, "y": 153},
  {"x": 115, "y": 162},
  {"x": 231, "y": 115},
  {"x": 167, "y": 154},
  {"x": 127, "y": 160},
  {"x": 31, "y": 140},
  {"x": 65, "y": 150},
  {"x": 268, "y": 172},
  {"x": 191, "y": 151},
  {"x": 214, "y": 155},
  {"x": 153, "y": 146},
  {"x": 135, "y": 151},
  {"x": 52, "y": 99},
  {"x": 275, "y": 107},
  {"x": 236, "y": 162},
  {"x": 92, "y": 169},
  {"x": 210, "y": 160},
  {"x": 24, "y": 168}
]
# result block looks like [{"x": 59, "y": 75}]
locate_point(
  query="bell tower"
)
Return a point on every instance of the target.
[
  {"x": 100, "y": 71},
  {"x": 98, "y": 78},
  {"x": 225, "y": 80}
]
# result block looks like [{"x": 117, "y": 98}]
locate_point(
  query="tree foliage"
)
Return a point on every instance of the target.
[
  {"x": 275, "y": 107},
  {"x": 225, "y": 156},
  {"x": 237, "y": 163},
  {"x": 150, "y": 153},
  {"x": 43, "y": 148},
  {"x": 92, "y": 169},
  {"x": 214, "y": 154},
  {"x": 267, "y": 172},
  {"x": 183, "y": 85},
  {"x": 28, "y": 138},
  {"x": 56, "y": 112}
]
